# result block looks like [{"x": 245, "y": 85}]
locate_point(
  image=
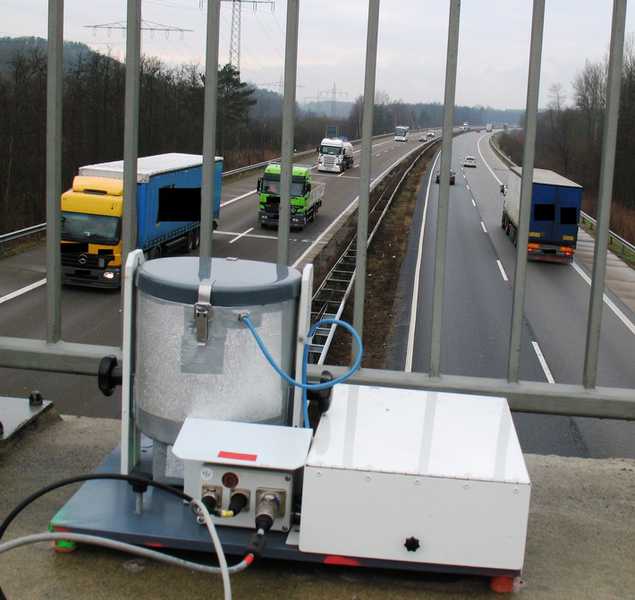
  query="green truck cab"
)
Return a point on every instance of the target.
[{"x": 305, "y": 197}]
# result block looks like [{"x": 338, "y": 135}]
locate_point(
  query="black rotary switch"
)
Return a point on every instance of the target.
[{"x": 412, "y": 544}]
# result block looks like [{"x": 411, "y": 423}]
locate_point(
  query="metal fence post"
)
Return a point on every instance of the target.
[
  {"x": 440, "y": 248},
  {"x": 131, "y": 131},
  {"x": 288, "y": 118},
  {"x": 613, "y": 85},
  {"x": 365, "y": 164},
  {"x": 520, "y": 276},
  {"x": 208, "y": 190},
  {"x": 54, "y": 103}
]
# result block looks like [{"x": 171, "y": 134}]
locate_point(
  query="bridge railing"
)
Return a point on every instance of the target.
[{"x": 53, "y": 354}]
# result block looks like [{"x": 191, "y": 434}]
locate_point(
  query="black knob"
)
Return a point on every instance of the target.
[
  {"x": 412, "y": 544},
  {"x": 36, "y": 398},
  {"x": 108, "y": 375}
]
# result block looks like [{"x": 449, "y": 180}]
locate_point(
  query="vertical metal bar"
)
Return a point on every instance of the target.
[
  {"x": 614, "y": 82},
  {"x": 54, "y": 103},
  {"x": 131, "y": 131},
  {"x": 372, "y": 32},
  {"x": 288, "y": 118},
  {"x": 526, "y": 184},
  {"x": 208, "y": 189},
  {"x": 444, "y": 190}
]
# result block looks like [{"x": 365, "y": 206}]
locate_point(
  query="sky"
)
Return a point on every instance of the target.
[{"x": 493, "y": 47}]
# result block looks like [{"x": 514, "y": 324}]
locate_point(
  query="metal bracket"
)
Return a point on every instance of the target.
[{"x": 203, "y": 311}]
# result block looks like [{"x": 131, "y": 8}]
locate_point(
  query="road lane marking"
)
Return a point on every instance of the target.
[
  {"x": 467, "y": 186},
  {"x": 243, "y": 234},
  {"x": 237, "y": 198},
  {"x": 24, "y": 290},
  {"x": 478, "y": 147},
  {"x": 473, "y": 203},
  {"x": 543, "y": 363},
  {"x": 415, "y": 292},
  {"x": 618, "y": 313},
  {"x": 502, "y": 270},
  {"x": 249, "y": 235},
  {"x": 483, "y": 227}
]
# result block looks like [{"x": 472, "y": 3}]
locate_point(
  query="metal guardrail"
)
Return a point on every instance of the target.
[
  {"x": 617, "y": 244},
  {"x": 27, "y": 231},
  {"x": 20, "y": 233}
]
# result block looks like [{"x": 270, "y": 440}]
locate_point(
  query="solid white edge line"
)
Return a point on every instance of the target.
[
  {"x": 502, "y": 270},
  {"x": 543, "y": 363},
  {"x": 237, "y": 198},
  {"x": 415, "y": 292},
  {"x": 244, "y": 233},
  {"x": 618, "y": 313},
  {"x": 351, "y": 205},
  {"x": 478, "y": 147},
  {"x": 24, "y": 290},
  {"x": 483, "y": 227}
]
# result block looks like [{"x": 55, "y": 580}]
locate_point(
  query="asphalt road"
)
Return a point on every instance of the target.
[
  {"x": 477, "y": 312},
  {"x": 92, "y": 316}
]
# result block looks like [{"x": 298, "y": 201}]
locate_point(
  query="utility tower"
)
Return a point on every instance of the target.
[
  {"x": 235, "y": 33},
  {"x": 333, "y": 93},
  {"x": 277, "y": 84}
]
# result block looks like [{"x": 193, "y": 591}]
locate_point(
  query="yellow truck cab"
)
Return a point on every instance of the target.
[
  {"x": 91, "y": 231},
  {"x": 167, "y": 214}
]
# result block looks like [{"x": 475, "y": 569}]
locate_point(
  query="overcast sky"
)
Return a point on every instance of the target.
[{"x": 493, "y": 50}]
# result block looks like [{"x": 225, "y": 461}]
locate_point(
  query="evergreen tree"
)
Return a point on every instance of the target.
[{"x": 234, "y": 101}]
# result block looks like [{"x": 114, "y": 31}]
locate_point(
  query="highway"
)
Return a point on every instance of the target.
[
  {"x": 477, "y": 310},
  {"x": 92, "y": 316}
]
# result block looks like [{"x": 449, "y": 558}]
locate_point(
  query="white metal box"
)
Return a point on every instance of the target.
[
  {"x": 441, "y": 474},
  {"x": 263, "y": 457}
]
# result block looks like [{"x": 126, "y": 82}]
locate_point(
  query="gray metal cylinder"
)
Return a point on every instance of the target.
[{"x": 224, "y": 377}]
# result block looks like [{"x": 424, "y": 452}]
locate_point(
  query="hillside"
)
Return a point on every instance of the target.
[{"x": 11, "y": 46}]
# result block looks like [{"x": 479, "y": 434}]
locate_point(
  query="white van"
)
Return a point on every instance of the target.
[{"x": 335, "y": 155}]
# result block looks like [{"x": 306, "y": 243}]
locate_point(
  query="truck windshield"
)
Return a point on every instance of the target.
[
  {"x": 401, "y": 131},
  {"x": 333, "y": 150},
  {"x": 97, "y": 229},
  {"x": 272, "y": 186}
]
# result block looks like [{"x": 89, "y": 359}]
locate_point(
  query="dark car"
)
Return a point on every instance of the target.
[{"x": 452, "y": 177}]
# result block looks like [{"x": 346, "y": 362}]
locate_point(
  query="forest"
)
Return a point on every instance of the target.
[
  {"x": 569, "y": 139},
  {"x": 171, "y": 118}
]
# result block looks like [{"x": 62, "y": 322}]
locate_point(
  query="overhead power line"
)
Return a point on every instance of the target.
[
  {"x": 236, "y": 26},
  {"x": 146, "y": 25}
]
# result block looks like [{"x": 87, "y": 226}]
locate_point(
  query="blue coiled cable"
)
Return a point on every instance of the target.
[{"x": 304, "y": 385}]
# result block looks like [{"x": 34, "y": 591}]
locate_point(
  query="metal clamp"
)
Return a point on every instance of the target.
[{"x": 203, "y": 311}]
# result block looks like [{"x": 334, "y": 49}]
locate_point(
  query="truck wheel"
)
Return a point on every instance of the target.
[
  {"x": 189, "y": 244},
  {"x": 503, "y": 221},
  {"x": 154, "y": 252}
]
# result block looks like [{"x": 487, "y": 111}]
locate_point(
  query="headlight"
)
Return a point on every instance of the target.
[{"x": 108, "y": 275}]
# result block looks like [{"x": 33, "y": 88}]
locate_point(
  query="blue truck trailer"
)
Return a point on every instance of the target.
[
  {"x": 167, "y": 214},
  {"x": 555, "y": 213}
]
